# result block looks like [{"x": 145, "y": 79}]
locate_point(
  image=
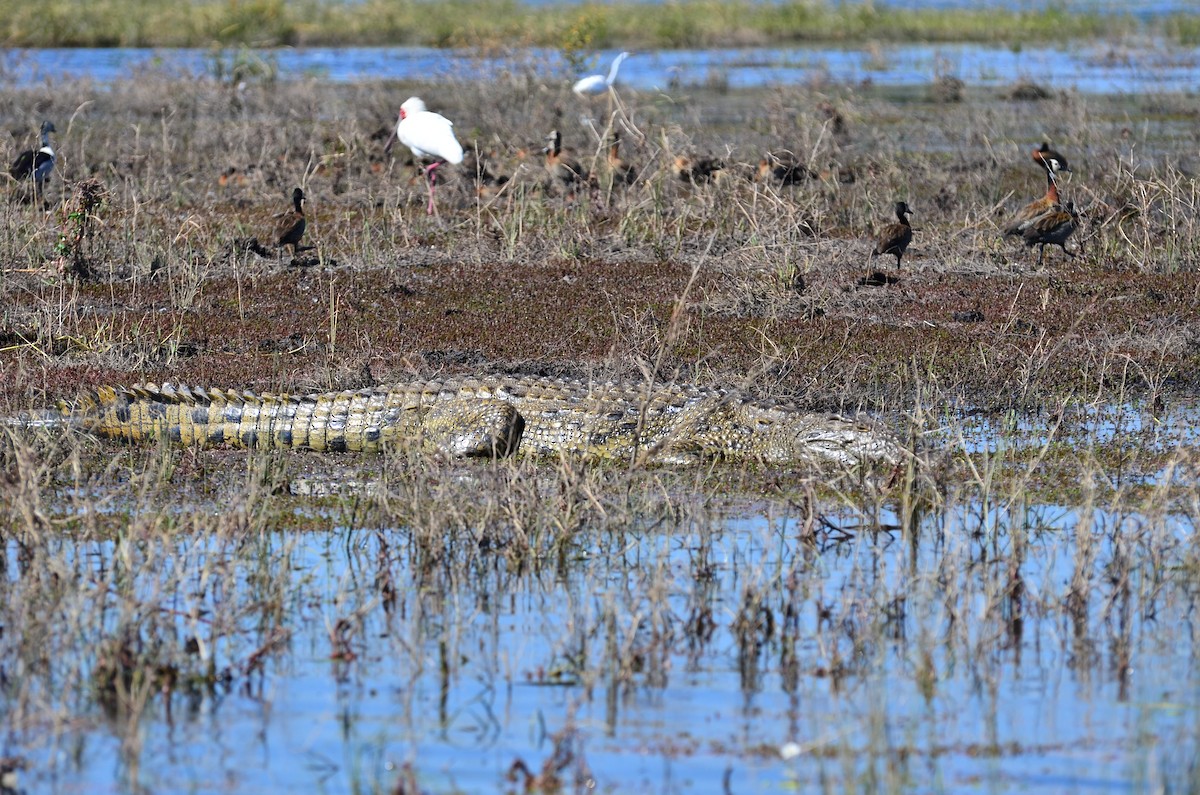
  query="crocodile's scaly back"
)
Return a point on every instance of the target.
[
  {"x": 364, "y": 420},
  {"x": 493, "y": 416}
]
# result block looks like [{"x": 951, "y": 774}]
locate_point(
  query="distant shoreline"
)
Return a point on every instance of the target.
[{"x": 571, "y": 28}]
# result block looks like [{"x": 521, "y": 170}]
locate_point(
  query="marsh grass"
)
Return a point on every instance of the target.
[
  {"x": 127, "y": 598},
  {"x": 190, "y": 171},
  {"x": 883, "y": 632}
]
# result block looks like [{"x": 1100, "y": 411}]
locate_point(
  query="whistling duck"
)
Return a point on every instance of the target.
[
  {"x": 894, "y": 238},
  {"x": 598, "y": 84},
  {"x": 487, "y": 183},
  {"x": 292, "y": 224},
  {"x": 783, "y": 169},
  {"x": 1036, "y": 208},
  {"x": 1052, "y": 229},
  {"x": 429, "y": 136},
  {"x": 697, "y": 170},
  {"x": 1048, "y": 159},
  {"x": 836, "y": 122},
  {"x": 36, "y": 164},
  {"x": 622, "y": 173},
  {"x": 564, "y": 170}
]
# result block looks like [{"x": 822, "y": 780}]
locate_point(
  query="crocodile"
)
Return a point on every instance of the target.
[{"x": 490, "y": 416}]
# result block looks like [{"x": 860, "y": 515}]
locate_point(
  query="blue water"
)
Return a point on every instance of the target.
[
  {"x": 1094, "y": 68},
  {"x": 458, "y": 679}
]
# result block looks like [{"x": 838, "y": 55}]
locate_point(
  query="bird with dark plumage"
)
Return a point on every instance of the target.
[
  {"x": 487, "y": 183},
  {"x": 564, "y": 170},
  {"x": 36, "y": 164},
  {"x": 782, "y": 168},
  {"x": 621, "y": 172},
  {"x": 429, "y": 135},
  {"x": 697, "y": 170},
  {"x": 1052, "y": 229},
  {"x": 292, "y": 224},
  {"x": 1035, "y": 209},
  {"x": 894, "y": 238}
]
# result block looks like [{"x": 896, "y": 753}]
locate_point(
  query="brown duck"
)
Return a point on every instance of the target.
[
  {"x": 622, "y": 172},
  {"x": 1052, "y": 229},
  {"x": 1036, "y": 208},
  {"x": 292, "y": 224},
  {"x": 564, "y": 170},
  {"x": 783, "y": 169},
  {"x": 894, "y": 238},
  {"x": 697, "y": 170}
]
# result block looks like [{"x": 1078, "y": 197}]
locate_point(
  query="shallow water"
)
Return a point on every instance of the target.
[
  {"x": 875, "y": 661},
  {"x": 1095, "y": 68}
]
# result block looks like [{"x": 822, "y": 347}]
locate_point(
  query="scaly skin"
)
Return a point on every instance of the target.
[{"x": 493, "y": 416}]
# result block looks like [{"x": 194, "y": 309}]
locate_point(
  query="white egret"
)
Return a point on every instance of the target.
[
  {"x": 593, "y": 85},
  {"x": 429, "y": 136}
]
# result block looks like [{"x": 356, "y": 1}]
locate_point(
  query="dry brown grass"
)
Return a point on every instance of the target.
[{"x": 530, "y": 277}]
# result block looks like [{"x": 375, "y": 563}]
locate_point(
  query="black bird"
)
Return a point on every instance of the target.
[
  {"x": 292, "y": 224},
  {"x": 894, "y": 238},
  {"x": 36, "y": 164}
]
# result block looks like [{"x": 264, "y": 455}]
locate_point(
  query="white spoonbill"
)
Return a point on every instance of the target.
[
  {"x": 598, "y": 84},
  {"x": 429, "y": 136}
]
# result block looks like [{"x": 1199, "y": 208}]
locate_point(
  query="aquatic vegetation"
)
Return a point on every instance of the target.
[{"x": 216, "y": 619}]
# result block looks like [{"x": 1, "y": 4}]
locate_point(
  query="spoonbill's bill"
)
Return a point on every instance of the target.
[{"x": 429, "y": 136}]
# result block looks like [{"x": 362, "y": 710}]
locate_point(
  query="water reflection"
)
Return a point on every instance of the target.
[{"x": 996, "y": 644}]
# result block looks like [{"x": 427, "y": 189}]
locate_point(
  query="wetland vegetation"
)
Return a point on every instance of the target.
[
  {"x": 507, "y": 24},
  {"x": 1020, "y": 616}
]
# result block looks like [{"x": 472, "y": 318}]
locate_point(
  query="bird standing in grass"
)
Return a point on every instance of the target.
[
  {"x": 565, "y": 171},
  {"x": 1036, "y": 208},
  {"x": 697, "y": 170},
  {"x": 594, "y": 85},
  {"x": 894, "y": 238},
  {"x": 784, "y": 169},
  {"x": 429, "y": 136},
  {"x": 36, "y": 164},
  {"x": 621, "y": 172},
  {"x": 1052, "y": 229},
  {"x": 292, "y": 224}
]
